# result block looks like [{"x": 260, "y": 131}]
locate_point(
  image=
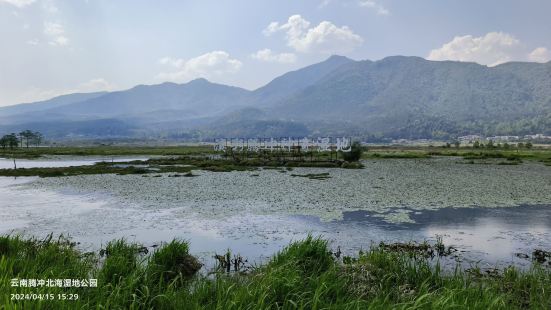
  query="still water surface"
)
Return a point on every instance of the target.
[{"x": 33, "y": 206}]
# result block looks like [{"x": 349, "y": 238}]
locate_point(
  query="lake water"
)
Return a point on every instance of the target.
[
  {"x": 489, "y": 211},
  {"x": 62, "y": 161}
]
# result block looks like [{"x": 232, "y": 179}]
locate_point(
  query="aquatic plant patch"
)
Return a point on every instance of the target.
[{"x": 385, "y": 187}]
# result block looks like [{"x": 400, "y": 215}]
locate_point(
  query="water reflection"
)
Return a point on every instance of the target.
[
  {"x": 493, "y": 235},
  {"x": 60, "y": 161},
  {"x": 490, "y": 235}
]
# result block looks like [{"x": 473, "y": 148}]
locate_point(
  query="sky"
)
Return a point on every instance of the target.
[{"x": 54, "y": 47}]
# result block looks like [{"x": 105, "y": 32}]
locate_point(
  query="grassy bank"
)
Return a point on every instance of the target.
[
  {"x": 35, "y": 152},
  {"x": 372, "y": 152},
  {"x": 468, "y": 153},
  {"x": 179, "y": 164},
  {"x": 304, "y": 275},
  {"x": 185, "y": 158}
]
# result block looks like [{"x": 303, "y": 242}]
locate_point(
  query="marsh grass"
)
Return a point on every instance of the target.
[
  {"x": 180, "y": 164},
  {"x": 304, "y": 275},
  {"x": 36, "y": 152},
  {"x": 390, "y": 152},
  {"x": 314, "y": 176},
  {"x": 396, "y": 155},
  {"x": 100, "y": 168}
]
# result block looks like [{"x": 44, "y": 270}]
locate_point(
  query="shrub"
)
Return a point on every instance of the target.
[
  {"x": 172, "y": 261},
  {"x": 355, "y": 152}
]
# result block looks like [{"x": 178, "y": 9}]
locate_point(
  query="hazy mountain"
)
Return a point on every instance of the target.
[
  {"x": 414, "y": 97},
  {"x": 154, "y": 108},
  {"x": 397, "y": 96},
  {"x": 47, "y": 104},
  {"x": 252, "y": 122},
  {"x": 291, "y": 82},
  {"x": 196, "y": 98},
  {"x": 107, "y": 128}
]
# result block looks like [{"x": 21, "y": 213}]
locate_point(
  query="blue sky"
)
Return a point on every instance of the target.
[{"x": 52, "y": 47}]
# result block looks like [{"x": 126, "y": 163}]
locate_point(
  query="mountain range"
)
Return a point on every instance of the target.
[{"x": 396, "y": 97}]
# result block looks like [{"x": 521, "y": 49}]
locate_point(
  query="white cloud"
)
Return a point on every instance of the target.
[
  {"x": 94, "y": 85},
  {"x": 49, "y": 6},
  {"x": 56, "y": 33},
  {"x": 540, "y": 54},
  {"x": 59, "y": 41},
  {"x": 18, "y": 3},
  {"x": 213, "y": 64},
  {"x": 492, "y": 49},
  {"x": 323, "y": 38},
  {"x": 371, "y": 4},
  {"x": 272, "y": 28},
  {"x": 53, "y": 29},
  {"x": 33, "y": 42},
  {"x": 269, "y": 56},
  {"x": 323, "y": 4}
]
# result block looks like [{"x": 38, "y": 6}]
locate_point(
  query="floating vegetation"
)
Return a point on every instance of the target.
[
  {"x": 424, "y": 249},
  {"x": 509, "y": 161},
  {"x": 522, "y": 255},
  {"x": 512, "y": 162},
  {"x": 314, "y": 176},
  {"x": 383, "y": 187},
  {"x": 182, "y": 164},
  {"x": 538, "y": 256},
  {"x": 396, "y": 155},
  {"x": 186, "y": 175},
  {"x": 488, "y": 273},
  {"x": 225, "y": 263},
  {"x": 352, "y": 165},
  {"x": 542, "y": 256},
  {"x": 99, "y": 168}
]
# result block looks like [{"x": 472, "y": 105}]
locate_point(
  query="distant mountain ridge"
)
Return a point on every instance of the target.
[
  {"x": 48, "y": 104},
  {"x": 396, "y": 97},
  {"x": 291, "y": 82}
]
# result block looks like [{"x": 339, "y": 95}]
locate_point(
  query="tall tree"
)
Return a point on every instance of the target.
[
  {"x": 21, "y": 137},
  {"x": 4, "y": 142},
  {"x": 37, "y": 138},
  {"x": 10, "y": 141},
  {"x": 28, "y": 136}
]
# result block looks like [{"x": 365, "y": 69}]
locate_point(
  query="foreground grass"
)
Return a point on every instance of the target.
[{"x": 304, "y": 275}]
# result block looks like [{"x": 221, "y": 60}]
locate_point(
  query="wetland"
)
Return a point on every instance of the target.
[{"x": 491, "y": 211}]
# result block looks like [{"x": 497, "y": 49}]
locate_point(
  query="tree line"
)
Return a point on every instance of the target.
[
  {"x": 25, "y": 138},
  {"x": 492, "y": 145}
]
